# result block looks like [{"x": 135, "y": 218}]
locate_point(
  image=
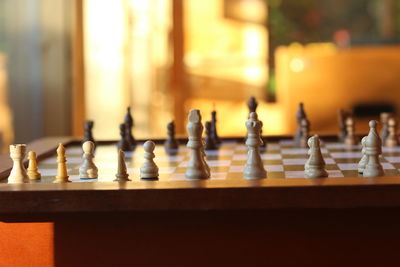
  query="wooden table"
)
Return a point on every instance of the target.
[{"x": 298, "y": 222}]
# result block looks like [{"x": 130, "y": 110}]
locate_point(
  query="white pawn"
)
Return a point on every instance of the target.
[
  {"x": 315, "y": 165},
  {"x": 88, "y": 169},
  {"x": 392, "y": 139},
  {"x": 350, "y": 139},
  {"x": 62, "y": 173},
  {"x": 33, "y": 172},
  {"x": 18, "y": 173},
  {"x": 149, "y": 170},
  {"x": 254, "y": 168},
  {"x": 373, "y": 148},
  {"x": 122, "y": 174},
  {"x": 364, "y": 158}
]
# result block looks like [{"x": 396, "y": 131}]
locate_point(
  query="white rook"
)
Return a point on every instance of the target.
[{"x": 18, "y": 173}]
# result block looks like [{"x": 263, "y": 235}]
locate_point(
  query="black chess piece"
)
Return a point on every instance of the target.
[
  {"x": 210, "y": 143},
  {"x": 129, "y": 138},
  {"x": 214, "y": 133},
  {"x": 305, "y": 133},
  {"x": 252, "y": 104},
  {"x": 263, "y": 146},
  {"x": 123, "y": 143},
  {"x": 171, "y": 143},
  {"x": 300, "y": 115},
  {"x": 342, "y": 125},
  {"x": 88, "y": 131},
  {"x": 128, "y": 117},
  {"x": 129, "y": 125}
]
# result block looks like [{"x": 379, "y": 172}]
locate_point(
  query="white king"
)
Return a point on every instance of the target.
[{"x": 254, "y": 168}]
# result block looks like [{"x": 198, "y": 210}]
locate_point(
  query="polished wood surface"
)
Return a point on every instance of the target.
[
  {"x": 239, "y": 238},
  {"x": 107, "y": 197}
]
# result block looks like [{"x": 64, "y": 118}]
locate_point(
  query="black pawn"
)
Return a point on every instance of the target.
[
  {"x": 252, "y": 104},
  {"x": 214, "y": 133},
  {"x": 123, "y": 143},
  {"x": 129, "y": 125},
  {"x": 88, "y": 131},
  {"x": 171, "y": 143},
  {"x": 210, "y": 144}
]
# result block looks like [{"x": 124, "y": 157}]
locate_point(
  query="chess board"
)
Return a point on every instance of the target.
[
  {"x": 282, "y": 160},
  {"x": 285, "y": 186}
]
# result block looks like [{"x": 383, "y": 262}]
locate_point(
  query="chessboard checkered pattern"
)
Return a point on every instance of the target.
[{"x": 281, "y": 160}]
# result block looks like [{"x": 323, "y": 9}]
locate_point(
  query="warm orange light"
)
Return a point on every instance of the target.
[
  {"x": 297, "y": 64},
  {"x": 126, "y": 64}
]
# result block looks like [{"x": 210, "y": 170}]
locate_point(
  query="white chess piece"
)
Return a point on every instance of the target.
[
  {"x": 364, "y": 158},
  {"x": 315, "y": 165},
  {"x": 392, "y": 140},
  {"x": 254, "y": 168},
  {"x": 350, "y": 139},
  {"x": 62, "y": 173},
  {"x": 88, "y": 169},
  {"x": 197, "y": 167},
  {"x": 33, "y": 171},
  {"x": 122, "y": 174},
  {"x": 149, "y": 169},
  {"x": 18, "y": 172},
  {"x": 373, "y": 148}
]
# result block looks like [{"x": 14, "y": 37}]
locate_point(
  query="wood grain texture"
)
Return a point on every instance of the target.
[{"x": 225, "y": 238}]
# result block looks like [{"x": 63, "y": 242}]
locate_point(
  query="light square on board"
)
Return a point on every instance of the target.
[
  {"x": 301, "y": 174},
  {"x": 219, "y": 152},
  {"x": 268, "y": 168},
  {"x": 346, "y": 155}
]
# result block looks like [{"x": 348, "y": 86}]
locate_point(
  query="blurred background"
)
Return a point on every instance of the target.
[{"x": 64, "y": 61}]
